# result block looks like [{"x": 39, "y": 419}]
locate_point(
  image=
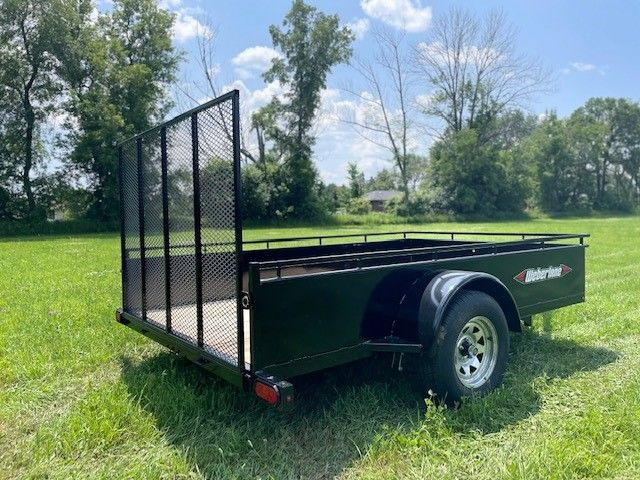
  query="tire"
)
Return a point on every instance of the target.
[{"x": 465, "y": 358}]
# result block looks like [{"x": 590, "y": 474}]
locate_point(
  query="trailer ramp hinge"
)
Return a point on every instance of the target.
[{"x": 246, "y": 303}]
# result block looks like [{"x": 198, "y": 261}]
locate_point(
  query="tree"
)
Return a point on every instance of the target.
[
  {"x": 311, "y": 43},
  {"x": 474, "y": 71},
  {"x": 385, "y": 179},
  {"x": 334, "y": 197},
  {"x": 117, "y": 72},
  {"x": 27, "y": 84},
  {"x": 559, "y": 173},
  {"x": 194, "y": 89},
  {"x": 356, "y": 180},
  {"x": 607, "y": 135},
  {"x": 388, "y": 122},
  {"x": 467, "y": 177}
]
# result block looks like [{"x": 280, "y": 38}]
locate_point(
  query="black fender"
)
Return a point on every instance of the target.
[
  {"x": 444, "y": 286},
  {"x": 386, "y": 303}
]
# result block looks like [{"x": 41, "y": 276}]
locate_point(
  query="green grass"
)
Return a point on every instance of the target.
[{"x": 84, "y": 397}]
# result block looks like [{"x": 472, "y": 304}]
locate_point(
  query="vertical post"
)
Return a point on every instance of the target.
[
  {"x": 237, "y": 186},
  {"x": 143, "y": 268},
  {"x": 165, "y": 226},
  {"x": 195, "y": 152},
  {"x": 123, "y": 264}
]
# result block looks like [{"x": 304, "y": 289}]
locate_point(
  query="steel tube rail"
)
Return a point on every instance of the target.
[
  {"x": 402, "y": 234},
  {"x": 407, "y": 232},
  {"x": 412, "y": 251}
]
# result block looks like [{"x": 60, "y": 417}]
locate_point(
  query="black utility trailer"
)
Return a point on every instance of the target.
[{"x": 259, "y": 313}]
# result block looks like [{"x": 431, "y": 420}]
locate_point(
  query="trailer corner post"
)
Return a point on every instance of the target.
[
  {"x": 197, "y": 225},
  {"x": 165, "y": 226},
  {"x": 237, "y": 187},
  {"x": 122, "y": 244}
]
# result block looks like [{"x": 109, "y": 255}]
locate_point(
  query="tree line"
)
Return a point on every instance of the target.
[
  {"x": 101, "y": 77},
  {"x": 586, "y": 162}
]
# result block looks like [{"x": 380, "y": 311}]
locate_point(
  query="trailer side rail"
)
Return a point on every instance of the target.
[
  {"x": 405, "y": 234},
  {"x": 365, "y": 237},
  {"x": 351, "y": 260}
]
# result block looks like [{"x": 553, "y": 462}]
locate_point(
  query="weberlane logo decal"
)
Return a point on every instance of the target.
[{"x": 540, "y": 274}]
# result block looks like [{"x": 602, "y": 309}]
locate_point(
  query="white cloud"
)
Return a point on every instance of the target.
[
  {"x": 425, "y": 100},
  {"x": 439, "y": 53},
  {"x": 337, "y": 142},
  {"x": 169, "y": 4},
  {"x": 359, "y": 27},
  {"x": 407, "y": 15},
  {"x": 252, "y": 100},
  {"x": 340, "y": 142},
  {"x": 215, "y": 69},
  {"x": 94, "y": 15},
  {"x": 253, "y": 60},
  {"x": 187, "y": 27},
  {"x": 583, "y": 67}
]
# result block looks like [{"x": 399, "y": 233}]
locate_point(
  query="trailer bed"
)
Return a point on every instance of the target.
[{"x": 182, "y": 327}]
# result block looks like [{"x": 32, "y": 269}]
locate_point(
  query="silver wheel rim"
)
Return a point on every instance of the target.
[{"x": 476, "y": 352}]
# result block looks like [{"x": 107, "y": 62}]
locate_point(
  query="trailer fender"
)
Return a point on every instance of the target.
[
  {"x": 442, "y": 289},
  {"x": 387, "y": 302}
]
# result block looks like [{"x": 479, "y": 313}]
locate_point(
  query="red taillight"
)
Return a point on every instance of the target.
[{"x": 268, "y": 393}]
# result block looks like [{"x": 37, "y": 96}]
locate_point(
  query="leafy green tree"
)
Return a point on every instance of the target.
[
  {"x": 311, "y": 43},
  {"x": 359, "y": 206},
  {"x": 385, "y": 179},
  {"x": 631, "y": 139},
  {"x": 117, "y": 72},
  {"x": 334, "y": 197},
  {"x": 356, "y": 180},
  {"x": 560, "y": 186},
  {"x": 467, "y": 177},
  {"x": 28, "y": 85},
  {"x": 608, "y": 138}
]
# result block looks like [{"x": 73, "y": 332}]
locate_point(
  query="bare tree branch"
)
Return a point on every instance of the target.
[
  {"x": 388, "y": 124},
  {"x": 473, "y": 71}
]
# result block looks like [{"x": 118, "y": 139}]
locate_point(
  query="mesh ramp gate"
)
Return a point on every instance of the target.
[{"x": 181, "y": 228}]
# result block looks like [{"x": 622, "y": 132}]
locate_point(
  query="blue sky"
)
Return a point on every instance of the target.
[{"x": 592, "y": 48}]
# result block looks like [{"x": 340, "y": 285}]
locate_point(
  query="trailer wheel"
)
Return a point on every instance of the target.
[{"x": 469, "y": 355}]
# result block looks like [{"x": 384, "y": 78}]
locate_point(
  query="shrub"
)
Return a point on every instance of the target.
[{"x": 359, "y": 206}]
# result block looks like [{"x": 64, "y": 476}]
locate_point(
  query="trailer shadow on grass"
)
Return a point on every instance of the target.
[{"x": 338, "y": 413}]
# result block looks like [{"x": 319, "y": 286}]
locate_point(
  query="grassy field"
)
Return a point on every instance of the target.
[{"x": 84, "y": 397}]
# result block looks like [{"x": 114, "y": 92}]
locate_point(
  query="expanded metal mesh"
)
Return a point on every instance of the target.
[
  {"x": 191, "y": 176},
  {"x": 132, "y": 280},
  {"x": 217, "y": 203},
  {"x": 155, "y": 301}
]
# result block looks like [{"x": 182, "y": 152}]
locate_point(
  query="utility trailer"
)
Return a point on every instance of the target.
[{"x": 259, "y": 313}]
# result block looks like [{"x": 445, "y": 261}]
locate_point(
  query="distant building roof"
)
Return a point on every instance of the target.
[{"x": 382, "y": 195}]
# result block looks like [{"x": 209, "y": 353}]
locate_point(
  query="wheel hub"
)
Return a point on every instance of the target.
[{"x": 477, "y": 352}]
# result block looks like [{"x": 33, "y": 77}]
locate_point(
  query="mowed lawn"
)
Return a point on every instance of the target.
[{"x": 84, "y": 397}]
